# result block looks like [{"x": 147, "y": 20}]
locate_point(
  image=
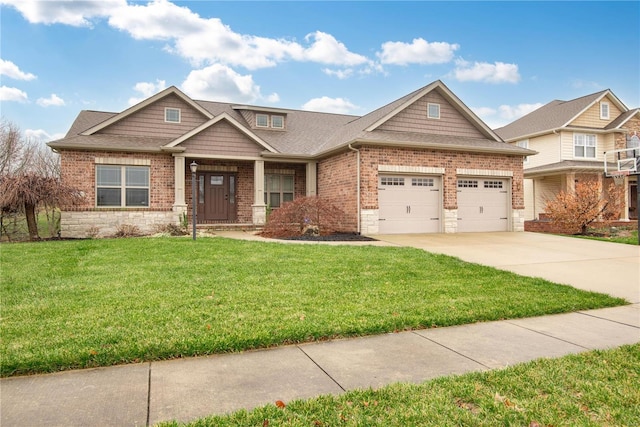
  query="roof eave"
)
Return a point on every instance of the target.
[{"x": 89, "y": 147}]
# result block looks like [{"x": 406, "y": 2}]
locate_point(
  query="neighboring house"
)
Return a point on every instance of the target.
[
  {"x": 571, "y": 138},
  {"x": 422, "y": 164}
]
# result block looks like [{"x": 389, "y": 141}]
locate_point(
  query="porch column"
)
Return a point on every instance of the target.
[
  {"x": 259, "y": 208},
  {"x": 179, "y": 203},
  {"x": 311, "y": 183}
]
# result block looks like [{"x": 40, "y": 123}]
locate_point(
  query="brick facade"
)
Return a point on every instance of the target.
[{"x": 337, "y": 182}]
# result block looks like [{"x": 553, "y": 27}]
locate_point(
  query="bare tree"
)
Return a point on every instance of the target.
[{"x": 29, "y": 178}]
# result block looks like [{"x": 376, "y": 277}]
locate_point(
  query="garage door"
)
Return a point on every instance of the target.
[
  {"x": 409, "y": 204},
  {"x": 483, "y": 204}
]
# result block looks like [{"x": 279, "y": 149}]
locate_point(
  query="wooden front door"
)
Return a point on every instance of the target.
[{"x": 216, "y": 197}]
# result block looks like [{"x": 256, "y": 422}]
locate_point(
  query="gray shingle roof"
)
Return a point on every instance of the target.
[
  {"x": 307, "y": 133},
  {"x": 553, "y": 115}
]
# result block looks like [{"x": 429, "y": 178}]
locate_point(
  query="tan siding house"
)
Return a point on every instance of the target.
[
  {"x": 571, "y": 138},
  {"x": 433, "y": 161}
]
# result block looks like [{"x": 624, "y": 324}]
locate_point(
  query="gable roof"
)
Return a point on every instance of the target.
[
  {"x": 308, "y": 134},
  {"x": 213, "y": 121},
  {"x": 141, "y": 105},
  {"x": 622, "y": 119},
  {"x": 555, "y": 115}
]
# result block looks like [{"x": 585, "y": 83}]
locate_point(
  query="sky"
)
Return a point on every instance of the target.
[{"x": 502, "y": 59}]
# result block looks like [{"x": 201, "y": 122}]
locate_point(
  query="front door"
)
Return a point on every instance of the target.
[{"x": 216, "y": 197}]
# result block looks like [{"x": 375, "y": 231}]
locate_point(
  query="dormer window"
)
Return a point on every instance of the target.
[
  {"x": 262, "y": 120},
  {"x": 172, "y": 115},
  {"x": 277, "y": 122},
  {"x": 433, "y": 111},
  {"x": 604, "y": 110}
]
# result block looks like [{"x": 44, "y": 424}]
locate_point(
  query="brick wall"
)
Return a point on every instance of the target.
[
  {"x": 337, "y": 179},
  {"x": 337, "y": 176},
  {"x": 371, "y": 157},
  {"x": 78, "y": 169}
]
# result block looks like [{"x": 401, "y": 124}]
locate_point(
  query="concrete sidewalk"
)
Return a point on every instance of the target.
[{"x": 144, "y": 394}]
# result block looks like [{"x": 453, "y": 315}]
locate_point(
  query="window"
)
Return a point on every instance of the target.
[
  {"x": 277, "y": 122},
  {"x": 604, "y": 110},
  {"x": 584, "y": 145},
  {"x": 122, "y": 186},
  {"x": 262, "y": 120},
  {"x": 278, "y": 189},
  {"x": 172, "y": 115},
  {"x": 524, "y": 144},
  {"x": 422, "y": 182},
  {"x": 390, "y": 180},
  {"x": 493, "y": 184},
  {"x": 467, "y": 183},
  {"x": 433, "y": 111}
]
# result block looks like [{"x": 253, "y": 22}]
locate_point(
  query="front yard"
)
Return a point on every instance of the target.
[{"x": 75, "y": 304}]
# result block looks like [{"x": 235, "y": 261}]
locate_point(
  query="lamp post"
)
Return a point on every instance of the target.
[{"x": 194, "y": 199}]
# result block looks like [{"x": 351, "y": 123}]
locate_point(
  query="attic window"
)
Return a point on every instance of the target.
[
  {"x": 172, "y": 115},
  {"x": 277, "y": 122},
  {"x": 604, "y": 110},
  {"x": 262, "y": 120},
  {"x": 433, "y": 111}
]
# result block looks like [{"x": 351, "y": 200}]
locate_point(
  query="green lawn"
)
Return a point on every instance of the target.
[
  {"x": 597, "y": 388},
  {"x": 630, "y": 237},
  {"x": 75, "y": 304}
]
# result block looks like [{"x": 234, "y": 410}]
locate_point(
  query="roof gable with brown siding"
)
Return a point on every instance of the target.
[
  {"x": 222, "y": 138},
  {"x": 149, "y": 121},
  {"x": 414, "y": 119}
]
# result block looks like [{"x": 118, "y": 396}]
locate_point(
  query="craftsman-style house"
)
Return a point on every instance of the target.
[{"x": 424, "y": 163}]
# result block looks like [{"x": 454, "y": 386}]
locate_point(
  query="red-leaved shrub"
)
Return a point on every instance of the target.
[{"x": 305, "y": 214}]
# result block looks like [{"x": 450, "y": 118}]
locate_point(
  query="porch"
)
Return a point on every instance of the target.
[{"x": 234, "y": 194}]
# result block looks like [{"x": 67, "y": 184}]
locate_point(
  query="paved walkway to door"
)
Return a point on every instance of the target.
[{"x": 592, "y": 265}]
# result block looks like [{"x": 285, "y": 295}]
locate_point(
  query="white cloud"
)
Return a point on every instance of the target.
[
  {"x": 341, "y": 74},
  {"x": 499, "y": 72},
  {"x": 325, "y": 49},
  {"x": 147, "y": 89},
  {"x": 12, "y": 94},
  {"x": 221, "y": 83},
  {"x": 41, "y": 135},
  {"x": 11, "y": 70},
  {"x": 75, "y": 13},
  {"x": 330, "y": 105},
  {"x": 273, "y": 98},
  {"x": 505, "y": 114},
  {"x": 419, "y": 51},
  {"x": 512, "y": 113},
  {"x": 53, "y": 101}
]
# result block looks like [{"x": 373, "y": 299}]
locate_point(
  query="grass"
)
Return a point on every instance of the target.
[
  {"x": 597, "y": 388},
  {"x": 77, "y": 304},
  {"x": 629, "y": 237}
]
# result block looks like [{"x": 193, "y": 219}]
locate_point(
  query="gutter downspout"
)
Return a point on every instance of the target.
[{"x": 357, "y": 185}]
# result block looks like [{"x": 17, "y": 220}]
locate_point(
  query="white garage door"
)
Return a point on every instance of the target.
[
  {"x": 409, "y": 204},
  {"x": 483, "y": 204}
]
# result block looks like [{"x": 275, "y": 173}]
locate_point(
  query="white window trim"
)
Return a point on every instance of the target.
[
  {"x": 277, "y": 127},
  {"x": 595, "y": 146},
  {"x": 429, "y": 116},
  {"x": 258, "y": 125},
  {"x": 123, "y": 187},
  {"x": 524, "y": 143},
  {"x": 166, "y": 110},
  {"x": 603, "y": 116}
]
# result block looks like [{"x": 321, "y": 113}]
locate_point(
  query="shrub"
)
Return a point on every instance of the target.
[
  {"x": 127, "y": 230},
  {"x": 305, "y": 214},
  {"x": 575, "y": 211},
  {"x": 171, "y": 229}
]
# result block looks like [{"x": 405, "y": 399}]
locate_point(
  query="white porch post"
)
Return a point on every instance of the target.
[
  {"x": 179, "y": 203},
  {"x": 311, "y": 183},
  {"x": 259, "y": 207}
]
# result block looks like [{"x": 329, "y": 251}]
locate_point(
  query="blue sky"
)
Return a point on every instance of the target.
[{"x": 502, "y": 59}]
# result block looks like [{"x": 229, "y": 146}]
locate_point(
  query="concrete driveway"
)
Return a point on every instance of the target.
[{"x": 605, "y": 267}]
